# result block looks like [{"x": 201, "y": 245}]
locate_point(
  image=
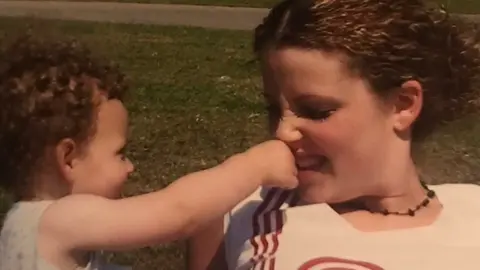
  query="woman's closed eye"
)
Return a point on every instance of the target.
[
  {"x": 314, "y": 113},
  {"x": 318, "y": 108}
]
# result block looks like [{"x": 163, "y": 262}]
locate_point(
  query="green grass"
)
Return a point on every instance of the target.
[
  {"x": 230, "y": 3},
  {"x": 461, "y": 6},
  {"x": 456, "y": 6},
  {"x": 196, "y": 99}
]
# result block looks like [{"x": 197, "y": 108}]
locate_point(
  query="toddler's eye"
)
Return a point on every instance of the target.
[{"x": 121, "y": 154}]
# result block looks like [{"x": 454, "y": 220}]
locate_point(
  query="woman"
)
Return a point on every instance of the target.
[{"x": 351, "y": 86}]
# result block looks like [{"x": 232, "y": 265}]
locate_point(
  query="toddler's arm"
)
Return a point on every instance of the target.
[{"x": 87, "y": 222}]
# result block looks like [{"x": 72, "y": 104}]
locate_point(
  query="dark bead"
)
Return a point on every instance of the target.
[
  {"x": 411, "y": 212},
  {"x": 424, "y": 185}
]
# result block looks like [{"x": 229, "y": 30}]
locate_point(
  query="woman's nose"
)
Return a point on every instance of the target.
[{"x": 287, "y": 130}]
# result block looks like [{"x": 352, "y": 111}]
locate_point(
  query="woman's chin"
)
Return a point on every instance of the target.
[
  {"x": 312, "y": 177},
  {"x": 313, "y": 186},
  {"x": 308, "y": 197}
]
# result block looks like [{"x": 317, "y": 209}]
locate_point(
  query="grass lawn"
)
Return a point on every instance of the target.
[
  {"x": 461, "y": 6},
  {"x": 196, "y": 99},
  {"x": 232, "y": 3},
  {"x": 456, "y": 6}
]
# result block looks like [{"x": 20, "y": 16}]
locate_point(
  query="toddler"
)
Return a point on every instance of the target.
[{"x": 63, "y": 129}]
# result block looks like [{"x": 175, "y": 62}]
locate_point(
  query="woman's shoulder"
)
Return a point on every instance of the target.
[
  {"x": 244, "y": 221},
  {"x": 258, "y": 204},
  {"x": 456, "y": 189},
  {"x": 264, "y": 200},
  {"x": 459, "y": 195}
]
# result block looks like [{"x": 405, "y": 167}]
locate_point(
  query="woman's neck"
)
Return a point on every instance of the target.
[
  {"x": 402, "y": 192},
  {"x": 411, "y": 198}
]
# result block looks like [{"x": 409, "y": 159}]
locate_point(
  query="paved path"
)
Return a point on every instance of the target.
[{"x": 201, "y": 16}]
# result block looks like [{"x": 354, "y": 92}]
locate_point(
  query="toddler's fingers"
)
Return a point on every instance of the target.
[{"x": 292, "y": 183}]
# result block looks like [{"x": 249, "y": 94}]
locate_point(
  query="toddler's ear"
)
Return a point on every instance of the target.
[{"x": 66, "y": 153}]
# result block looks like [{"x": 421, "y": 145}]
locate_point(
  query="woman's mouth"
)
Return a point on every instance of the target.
[{"x": 311, "y": 163}]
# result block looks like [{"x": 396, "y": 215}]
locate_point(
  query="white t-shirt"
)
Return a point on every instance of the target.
[
  {"x": 18, "y": 241},
  {"x": 267, "y": 231}
]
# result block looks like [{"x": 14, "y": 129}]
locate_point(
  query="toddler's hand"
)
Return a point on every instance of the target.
[{"x": 275, "y": 163}]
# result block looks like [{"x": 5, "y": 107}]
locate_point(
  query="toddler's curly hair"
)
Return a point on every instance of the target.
[{"x": 47, "y": 93}]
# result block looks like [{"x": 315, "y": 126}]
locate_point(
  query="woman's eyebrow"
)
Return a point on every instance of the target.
[{"x": 308, "y": 99}]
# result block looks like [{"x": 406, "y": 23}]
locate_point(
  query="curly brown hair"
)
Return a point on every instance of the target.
[
  {"x": 47, "y": 93},
  {"x": 387, "y": 43}
]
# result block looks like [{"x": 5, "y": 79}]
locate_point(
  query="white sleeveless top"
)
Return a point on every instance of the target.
[
  {"x": 267, "y": 231},
  {"x": 18, "y": 240}
]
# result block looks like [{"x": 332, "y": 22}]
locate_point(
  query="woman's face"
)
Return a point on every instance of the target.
[{"x": 338, "y": 129}]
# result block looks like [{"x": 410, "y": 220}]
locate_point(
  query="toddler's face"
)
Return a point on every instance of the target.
[{"x": 103, "y": 167}]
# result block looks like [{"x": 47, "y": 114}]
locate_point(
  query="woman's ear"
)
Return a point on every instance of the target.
[
  {"x": 408, "y": 103},
  {"x": 66, "y": 151}
]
